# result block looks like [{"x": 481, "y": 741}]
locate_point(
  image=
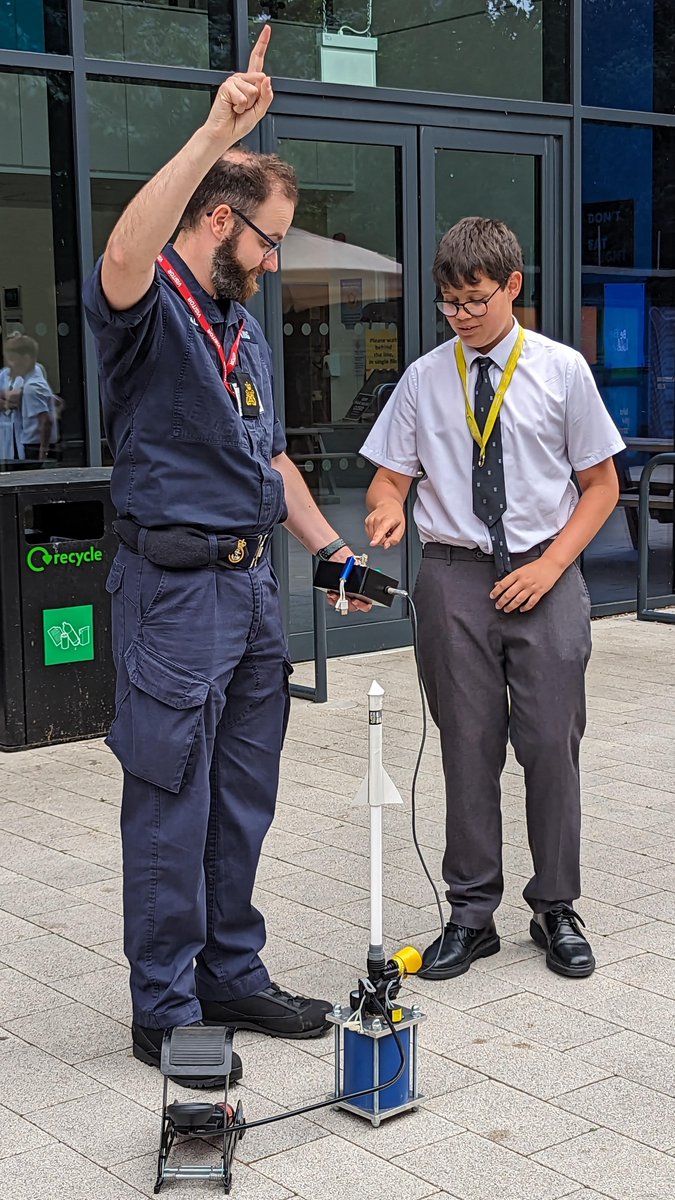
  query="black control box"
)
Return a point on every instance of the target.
[{"x": 364, "y": 582}]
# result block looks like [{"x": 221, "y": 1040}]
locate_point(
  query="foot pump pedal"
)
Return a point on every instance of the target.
[{"x": 198, "y": 1051}]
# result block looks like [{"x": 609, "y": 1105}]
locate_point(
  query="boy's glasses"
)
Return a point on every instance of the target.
[{"x": 473, "y": 308}]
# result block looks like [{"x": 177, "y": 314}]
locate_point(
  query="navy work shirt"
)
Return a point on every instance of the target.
[{"x": 182, "y": 453}]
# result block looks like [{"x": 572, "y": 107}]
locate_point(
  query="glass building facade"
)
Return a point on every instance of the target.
[{"x": 557, "y": 116}]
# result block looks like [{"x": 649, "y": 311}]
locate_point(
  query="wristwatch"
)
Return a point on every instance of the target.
[{"x": 331, "y": 549}]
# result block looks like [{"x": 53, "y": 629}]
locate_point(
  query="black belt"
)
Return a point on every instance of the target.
[
  {"x": 443, "y": 550},
  {"x": 180, "y": 547}
]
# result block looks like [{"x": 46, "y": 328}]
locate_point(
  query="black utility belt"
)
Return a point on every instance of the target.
[{"x": 183, "y": 548}]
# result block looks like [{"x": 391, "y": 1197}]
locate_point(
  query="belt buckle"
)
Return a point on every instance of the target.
[{"x": 263, "y": 539}]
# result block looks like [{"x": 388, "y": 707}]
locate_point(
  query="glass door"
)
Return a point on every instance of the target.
[
  {"x": 346, "y": 323},
  {"x": 516, "y": 178},
  {"x": 353, "y": 305}
]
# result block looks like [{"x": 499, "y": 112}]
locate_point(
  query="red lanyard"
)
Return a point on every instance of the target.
[{"x": 228, "y": 364}]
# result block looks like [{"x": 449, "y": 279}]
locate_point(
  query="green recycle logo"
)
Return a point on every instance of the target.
[
  {"x": 39, "y": 557},
  {"x": 39, "y": 563}
]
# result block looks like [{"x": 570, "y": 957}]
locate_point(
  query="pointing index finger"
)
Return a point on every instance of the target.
[{"x": 257, "y": 60}]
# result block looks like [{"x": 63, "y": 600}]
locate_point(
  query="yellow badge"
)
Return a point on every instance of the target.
[
  {"x": 250, "y": 397},
  {"x": 237, "y": 555}
]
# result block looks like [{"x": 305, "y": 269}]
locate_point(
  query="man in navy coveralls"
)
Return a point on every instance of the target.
[{"x": 200, "y": 479}]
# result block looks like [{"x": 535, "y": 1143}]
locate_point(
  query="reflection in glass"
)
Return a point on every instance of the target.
[
  {"x": 511, "y": 195},
  {"x": 514, "y": 48},
  {"x": 40, "y": 327},
  {"x": 186, "y": 33},
  {"x": 40, "y": 26},
  {"x": 343, "y": 336},
  {"x": 629, "y": 54},
  {"x": 134, "y": 128},
  {"x": 628, "y": 334}
]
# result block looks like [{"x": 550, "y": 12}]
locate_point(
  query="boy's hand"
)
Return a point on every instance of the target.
[
  {"x": 524, "y": 588},
  {"x": 385, "y": 525}
]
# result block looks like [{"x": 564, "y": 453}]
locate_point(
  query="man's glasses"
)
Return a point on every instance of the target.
[
  {"x": 274, "y": 247},
  {"x": 473, "y": 308}
]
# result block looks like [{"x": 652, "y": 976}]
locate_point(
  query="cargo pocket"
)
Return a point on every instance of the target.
[
  {"x": 115, "y": 576},
  {"x": 113, "y": 585},
  {"x": 157, "y": 719},
  {"x": 288, "y": 671}
]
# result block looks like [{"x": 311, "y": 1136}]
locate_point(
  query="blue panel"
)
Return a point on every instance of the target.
[
  {"x": 618, "y": 54},
  {"x": 617, "y": 165},
  {"x": 623, "y": 405},
  {"x": 359, "y": 1069},
  {"x": 22, "y": 25},
  {"x": 624, "y": 325}
]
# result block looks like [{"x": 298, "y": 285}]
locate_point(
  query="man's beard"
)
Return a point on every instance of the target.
[{"x": 230, "y": 280}]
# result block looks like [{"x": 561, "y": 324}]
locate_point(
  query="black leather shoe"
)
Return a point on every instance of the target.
[
  {"x": 460, "y": 946},
  {"x": 567, "y": 950},
  {"x": 272, "y": 1011},
  {"x": 147, "y": 1046}
]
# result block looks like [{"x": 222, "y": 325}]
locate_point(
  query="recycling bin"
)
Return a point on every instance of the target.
[{"x": 57, "y": 680}]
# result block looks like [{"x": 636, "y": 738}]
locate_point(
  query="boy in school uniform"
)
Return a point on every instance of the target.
[
  {"x": 495, "y": 421},
  {"x": 37, "y": 415}
]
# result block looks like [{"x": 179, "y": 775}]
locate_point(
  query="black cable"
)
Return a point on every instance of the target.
[
  {"x": 298, "y": 1112},
  {"x": 306, "y": 1108}
]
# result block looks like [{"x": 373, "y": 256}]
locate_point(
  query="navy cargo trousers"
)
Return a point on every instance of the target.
[{"x": 202, "y": 704}]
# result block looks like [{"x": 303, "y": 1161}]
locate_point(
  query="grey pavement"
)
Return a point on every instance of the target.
[{"x": 537, "y": 1087}]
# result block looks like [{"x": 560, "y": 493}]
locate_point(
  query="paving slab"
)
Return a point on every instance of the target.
[
  {"x": 508, "y": 1117},
  {"x": 535, "y": 1086},
  {"x": 628, "y": 1108},
  {"x": 615, "y": 1165},
  {"x": 60, "y": 1173},
  {"x": 475, "y": 1168},
  {"x": 333, "y": 1169},
  {"x": 71, "y": 1032}
]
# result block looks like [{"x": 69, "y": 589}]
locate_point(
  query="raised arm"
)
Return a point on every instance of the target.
[{"x": 149, "y": 220}]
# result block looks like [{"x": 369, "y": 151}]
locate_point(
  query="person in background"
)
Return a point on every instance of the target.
[
  {"x": 38, "y": 419},
  {"x": 11, "y": 387}
]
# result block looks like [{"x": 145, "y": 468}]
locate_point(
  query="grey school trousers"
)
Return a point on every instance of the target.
[{"x": 490, "y": 676}]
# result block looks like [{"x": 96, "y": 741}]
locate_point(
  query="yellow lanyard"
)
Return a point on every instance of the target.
[{"x": 483, "y": 438}]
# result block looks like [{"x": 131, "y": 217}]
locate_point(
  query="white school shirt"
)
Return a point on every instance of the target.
[
  {"x": 11, "y": 443},
  {"x": 553, "y": 421}
]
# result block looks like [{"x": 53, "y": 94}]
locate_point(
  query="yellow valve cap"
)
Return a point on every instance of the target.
[
  {"x": 396, "y": 1014},
  {"x": 408, "y": 960}
]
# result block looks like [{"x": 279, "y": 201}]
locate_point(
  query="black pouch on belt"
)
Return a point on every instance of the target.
[{"x": 182, "y": 547}]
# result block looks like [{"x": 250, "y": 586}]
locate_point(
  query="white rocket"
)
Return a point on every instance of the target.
[{"x": 376, "y": 789}]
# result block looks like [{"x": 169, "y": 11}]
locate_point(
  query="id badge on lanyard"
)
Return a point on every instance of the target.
[
  {"x": 238, "y": 383},
  {"x": 247, "y": 396}
]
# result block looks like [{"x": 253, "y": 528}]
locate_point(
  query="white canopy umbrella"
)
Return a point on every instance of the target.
[{"x": 312, "y": 268}]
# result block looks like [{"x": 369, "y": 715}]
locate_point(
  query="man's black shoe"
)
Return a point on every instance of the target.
[
  {"x": 271, "y": 1011},
  {"x": 567, "y": 950},
  {"x": 460, "y": 947},
  {"x": 147, "y": 1047}
]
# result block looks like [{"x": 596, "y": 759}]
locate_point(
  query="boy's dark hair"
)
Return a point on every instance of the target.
[
  {"x": 244, "y": 180},
  {"x": 477, "y": 246}
]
